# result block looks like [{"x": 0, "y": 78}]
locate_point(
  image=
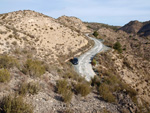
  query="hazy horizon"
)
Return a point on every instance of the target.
[{"x": 112, "y": 12}]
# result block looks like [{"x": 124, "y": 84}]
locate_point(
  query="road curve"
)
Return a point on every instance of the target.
[{"x": 84, "y": 68}]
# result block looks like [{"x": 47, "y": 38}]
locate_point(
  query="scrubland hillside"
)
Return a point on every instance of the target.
[
  {"x": 36, "y": 76},
  {"x": 46, "y": 37},
  {"x": 128, "y": 59}
]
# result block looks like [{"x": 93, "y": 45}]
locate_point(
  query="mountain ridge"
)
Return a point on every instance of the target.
[{"x": 136, "y": 27}]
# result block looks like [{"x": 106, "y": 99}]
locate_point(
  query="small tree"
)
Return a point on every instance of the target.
[
  {"x": 117, "y": 46},
  {"x": 95, "y": 34}
]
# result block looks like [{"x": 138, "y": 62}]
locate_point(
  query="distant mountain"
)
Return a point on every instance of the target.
[
  {"x": 145, "y": 30},
  {"x": 132, "y": 27},
  {"x": 136, "y": 27},
  {"x": 97, "y": 26}
]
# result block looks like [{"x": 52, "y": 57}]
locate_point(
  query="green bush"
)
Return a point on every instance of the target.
[
  {"x": 83, "y": 89},
  {"x": 117, "y": 46},
  {"x": 106, "y": 94},
  {"x": 7, "y": 61},
  {"x": 34, "y": 67},
  {"x": 4, "y": 75},
  {"x": 93, "y": 62},
  {"x": 32, "y": 88},
  {"x": 95, "y": 33},
  {"x": 67, "y": 96},
  {"x": 14, "y": 105}
]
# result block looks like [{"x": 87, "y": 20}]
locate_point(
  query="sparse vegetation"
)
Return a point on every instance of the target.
[
  {"x": 7, "y": 61},
  {"x": 106, "y": 85},
  {"x": 106, "y": 94},
  {"x": 15, "y": 105},
  {"x": 34, "y": 68},
  {"x": 109, "y": 82},
  {"x": 4, "y": 75},
  {"x": 32, "y": 88},
  {"x": 97, "y": 26}
]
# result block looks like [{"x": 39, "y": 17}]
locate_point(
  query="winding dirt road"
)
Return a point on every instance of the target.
[{"x": 84, "y": 68}]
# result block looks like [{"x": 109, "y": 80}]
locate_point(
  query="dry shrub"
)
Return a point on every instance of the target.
[
  {"x": 65, "y": 90},
  {"x": 62, "y": 86},
  {"x": 32, "y": 88},
  {"x": 67, "y": 96},
  {"x": 15, "y": 105},
  {"x": 106, "y": 94},
  {"x": 83, "y": 89},
  {"x": 7, "y": 61},
  {"x": 34, "y": 68},
  {"x": 95, "y": 81}
]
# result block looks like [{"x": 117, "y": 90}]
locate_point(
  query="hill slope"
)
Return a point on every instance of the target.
[{"x": 35, "y": 30}]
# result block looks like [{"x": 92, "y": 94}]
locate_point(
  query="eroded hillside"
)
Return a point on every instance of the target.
[{"x": 48, "y": 38}]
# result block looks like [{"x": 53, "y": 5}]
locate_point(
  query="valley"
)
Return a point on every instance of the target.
[{"x": 113, "y": 75}]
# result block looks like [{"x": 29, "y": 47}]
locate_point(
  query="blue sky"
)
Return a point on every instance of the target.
[{"x": 113, "y": 12}]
